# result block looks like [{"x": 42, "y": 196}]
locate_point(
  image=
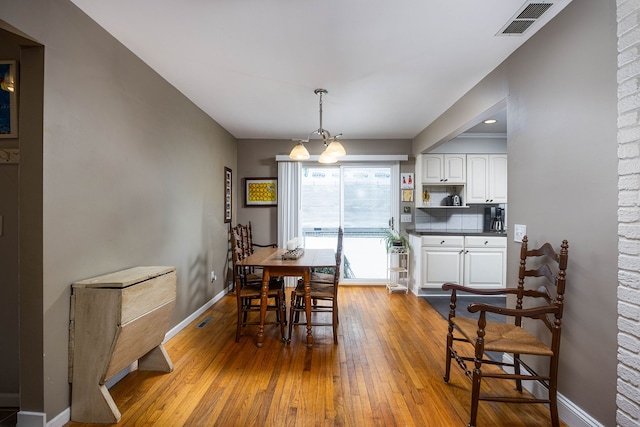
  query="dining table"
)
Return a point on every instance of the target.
[{"x": 274, "y": 263}]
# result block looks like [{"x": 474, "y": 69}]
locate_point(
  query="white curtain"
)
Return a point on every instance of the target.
[{"x": 288, "y": 204}]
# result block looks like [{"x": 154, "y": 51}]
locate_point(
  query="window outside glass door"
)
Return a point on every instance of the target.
[{"x": 358, "y": 198}]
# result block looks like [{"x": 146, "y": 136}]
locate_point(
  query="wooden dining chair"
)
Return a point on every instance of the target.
[
  {"x": 244, "y": 240},
  {"x": 248, "y": 289},
  {"x": 539, "y": 296},
  {"x": 324, "y": 294}
]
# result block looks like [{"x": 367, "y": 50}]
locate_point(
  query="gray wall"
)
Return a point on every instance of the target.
[
  {"x": 561, "y": 96},
  {"x": 128, "y": 172}
]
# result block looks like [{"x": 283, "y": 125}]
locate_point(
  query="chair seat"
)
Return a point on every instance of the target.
[
  {"x": 502, "y": 337},
  {"x": 322, "y": 277},
  {"x": 318, "y": 289}
]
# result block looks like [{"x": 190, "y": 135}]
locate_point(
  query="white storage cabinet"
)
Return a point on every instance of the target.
[
  {"x": 486, "y": 178},
  {"x": 474, "y": 261},
  {"x": 442, "y": 168}
]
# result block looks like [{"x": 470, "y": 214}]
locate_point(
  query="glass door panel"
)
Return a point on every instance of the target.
[{"x": 360, "y": 199}]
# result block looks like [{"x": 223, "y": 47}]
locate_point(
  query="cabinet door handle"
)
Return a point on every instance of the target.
[
  {"x": 461, "y": 250},
  {"x": 486, "y": 242},
  {"x": 442, "y": 243}
]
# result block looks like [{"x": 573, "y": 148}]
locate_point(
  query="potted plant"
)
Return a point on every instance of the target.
[{"x": 392, "y": 238}]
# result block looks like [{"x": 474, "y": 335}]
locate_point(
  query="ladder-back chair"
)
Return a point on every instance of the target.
[
  {"x": 324, "y": 294},
  {"x": 543, "y": 302},
  {"x": 248, "y": 288}
]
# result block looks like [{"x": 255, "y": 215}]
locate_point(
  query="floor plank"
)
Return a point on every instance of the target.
[{"x": 386, "y": 371}]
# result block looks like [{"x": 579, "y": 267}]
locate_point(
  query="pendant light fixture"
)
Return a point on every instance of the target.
[{"x": 333, "y": 148}]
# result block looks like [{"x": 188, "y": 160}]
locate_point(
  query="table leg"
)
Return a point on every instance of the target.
[
  {"x": 307, "y": 304},
  {"x": 263, "y": 304}
]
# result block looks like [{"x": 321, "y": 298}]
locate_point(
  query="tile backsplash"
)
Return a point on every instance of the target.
[{"x": 453, "y": 219}]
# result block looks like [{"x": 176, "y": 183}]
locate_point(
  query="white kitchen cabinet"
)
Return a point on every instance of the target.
[
  {"x": 484, "y": 262},
  {"x": 442, "y": 260},
  {"x": 475, "y": 261},
  {"x": 442, "y": 168},
  {"x": 486, "y": 178}
]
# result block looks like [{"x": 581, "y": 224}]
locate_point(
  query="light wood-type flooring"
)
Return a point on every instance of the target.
[{"x": 386, "y": 371}]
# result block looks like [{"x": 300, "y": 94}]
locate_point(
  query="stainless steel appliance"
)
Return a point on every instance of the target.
[{"x": 494, "y": 219}]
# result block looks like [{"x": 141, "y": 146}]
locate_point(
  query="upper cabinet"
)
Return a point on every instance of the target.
[
  {"x": 441, "y": 168},
  {"x": 486, "y": 178}
]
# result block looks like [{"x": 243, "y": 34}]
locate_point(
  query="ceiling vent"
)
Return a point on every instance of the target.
[{"x": 524, "y": 18}]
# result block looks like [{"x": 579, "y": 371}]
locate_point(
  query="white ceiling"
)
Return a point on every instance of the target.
[{"x": 391, "y": 68}]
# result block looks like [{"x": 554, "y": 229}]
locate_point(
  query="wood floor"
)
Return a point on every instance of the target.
[{"x": 386, "y": 371}]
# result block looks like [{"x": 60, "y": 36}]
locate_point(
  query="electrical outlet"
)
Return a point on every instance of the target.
[
  {"x": 213, "y": 276},
  {"x": 519, "y": 231}
]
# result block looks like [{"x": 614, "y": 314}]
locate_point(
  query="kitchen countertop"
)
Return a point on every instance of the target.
[{"x": 455, "y": 233}]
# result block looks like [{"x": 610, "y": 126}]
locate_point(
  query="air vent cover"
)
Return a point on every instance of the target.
[{"x": 524, "y": 18}]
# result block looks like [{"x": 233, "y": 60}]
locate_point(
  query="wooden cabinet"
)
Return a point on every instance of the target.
[
  {"x": 115, "y": 320},
  {"x": 442, "y": 168},
  {"x": 475, "y": 261},
  {"x": 486, "y": 178}
]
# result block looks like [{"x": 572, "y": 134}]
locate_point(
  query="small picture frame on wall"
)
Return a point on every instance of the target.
[
  {"x": 260, "y": 192},
  {"x": 406, "y": 181},
  {"x": 228, "y": 197},
  {"x": 8, "y": 96}
]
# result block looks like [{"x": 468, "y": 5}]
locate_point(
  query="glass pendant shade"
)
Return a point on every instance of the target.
[
  {"x": 299, "y": 152},
  {"x": 327, "y": 157},
  {"x": 336, "y": 149}
]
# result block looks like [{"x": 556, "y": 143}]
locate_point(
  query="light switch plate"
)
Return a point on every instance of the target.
[
  {"x": 405, "y": 218},
  {"x": 519, "y": 231}
]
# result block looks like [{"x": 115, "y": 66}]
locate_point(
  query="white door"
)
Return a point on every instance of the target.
[
  {"x": 359, "y": 198},
  {"x": 477, "y": 167}
]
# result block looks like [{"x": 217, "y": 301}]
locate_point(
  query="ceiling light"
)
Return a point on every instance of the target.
[
  {"x": 333, "y": 148},
  {"x": 299, "y": 152},
  {"x": 490, "y": 121}
]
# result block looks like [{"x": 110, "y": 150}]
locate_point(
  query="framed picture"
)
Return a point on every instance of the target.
[
  {"x": 228, "y": 198},
  {"x": 261, "y": 192},
  {"x": 8, "y": 106},
  {"x": 407, "y": 195},
  {"x": 406, "y": 181}
]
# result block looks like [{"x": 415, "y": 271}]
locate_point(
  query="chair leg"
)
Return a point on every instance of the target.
[
  {"x": 447, "y": 370},
  {"x": 553, "y": 391},
  {"x": 516, "y": 370},
  {"x": 475, "y": 394},
  {"x": 291, "y": 315},
  {"x": 281, "y": 314},
  {"x": 334, "y": 321}
]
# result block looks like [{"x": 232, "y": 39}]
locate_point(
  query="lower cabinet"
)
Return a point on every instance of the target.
[{"x": 475, "y": 261}]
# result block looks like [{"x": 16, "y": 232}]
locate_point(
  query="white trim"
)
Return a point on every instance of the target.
[
  {"x": 352, "y": 158},
  {"x": 570, "y": 413},
  {"x": 482, "y": 135},
  {"x": 31, "y": 419},
  {"x": 61, "y": 419}
]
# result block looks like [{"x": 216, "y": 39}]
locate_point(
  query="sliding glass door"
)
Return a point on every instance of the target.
[{"x": 360, "y": 198}]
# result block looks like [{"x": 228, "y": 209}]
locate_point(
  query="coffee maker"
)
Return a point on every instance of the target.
[{"x": 493, "y": 219}]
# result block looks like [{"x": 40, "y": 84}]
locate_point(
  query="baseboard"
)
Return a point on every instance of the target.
[
  {"x": 31, "y": 419},
  {"x": 65, "y": 416},
  {"x": 568, "y": 412},
  {"x": 180, "y": 326}
]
